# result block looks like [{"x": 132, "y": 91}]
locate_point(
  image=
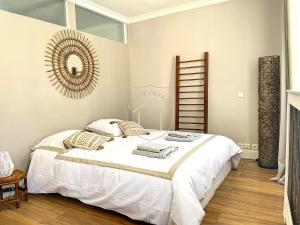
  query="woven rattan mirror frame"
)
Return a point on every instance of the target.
[{"x": 61, "y": 46}]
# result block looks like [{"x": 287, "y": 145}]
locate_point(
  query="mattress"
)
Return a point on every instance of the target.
[{"x": 102, "y": 178}]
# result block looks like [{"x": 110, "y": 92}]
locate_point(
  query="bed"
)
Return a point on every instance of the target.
[{"x": 169, "y": 191}]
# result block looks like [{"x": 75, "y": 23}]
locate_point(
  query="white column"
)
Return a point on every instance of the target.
[
  {"x": 125, "y": 33},
  {"x": 70, "y": 15},
  {"x": 293, "y": 8}
]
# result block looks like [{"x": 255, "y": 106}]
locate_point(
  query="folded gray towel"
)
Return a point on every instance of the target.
[
  {"x": 160, "y": 155},
  {"x": 152, "y": 147},
  {"x": 188, "y": 139},
  {"x": 181, "y": 134},
  {"x": 178, "y": 134}
]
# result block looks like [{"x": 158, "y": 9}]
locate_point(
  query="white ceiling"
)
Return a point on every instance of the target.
[
  {"x": 125, "y": 11},
  {"x": 131, "y": 11},
  {"x": 132, "y": 8}
]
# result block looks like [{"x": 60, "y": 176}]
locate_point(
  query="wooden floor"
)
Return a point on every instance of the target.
[{"x": 247, "y": 197}]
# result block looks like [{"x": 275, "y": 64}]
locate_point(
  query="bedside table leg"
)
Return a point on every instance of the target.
[
  {"x": 1, "y": 193},
  {"x": 17, "y": 195},
  {"x": 26, "y": 189}
]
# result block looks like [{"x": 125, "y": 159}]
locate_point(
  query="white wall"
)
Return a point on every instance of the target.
[
  {"x": 294, "y": 43},
  {"x": 30, "y": 107},
  {"x": 235, "y": 33}
]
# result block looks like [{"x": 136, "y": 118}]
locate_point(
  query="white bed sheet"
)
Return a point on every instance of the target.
[{"x": 141, "y": 197}]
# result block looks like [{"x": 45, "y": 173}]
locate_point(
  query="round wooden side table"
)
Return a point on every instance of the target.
[{"x": 14, "y": 179}]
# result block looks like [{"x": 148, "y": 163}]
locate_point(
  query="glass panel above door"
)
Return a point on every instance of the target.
[
  {"x": 94, "y": 23},
  {"x": 52, "y": 11}
]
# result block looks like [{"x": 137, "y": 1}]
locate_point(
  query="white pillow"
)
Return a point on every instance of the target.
[
  {"x": 54, "y": 140},
  {"x": 104, "y": 127}
]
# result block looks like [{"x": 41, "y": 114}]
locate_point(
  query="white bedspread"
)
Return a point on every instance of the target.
[{"x": 141, "y": 197}]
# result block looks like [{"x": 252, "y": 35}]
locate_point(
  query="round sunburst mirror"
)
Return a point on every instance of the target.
[{"x": 73, "y": 65}]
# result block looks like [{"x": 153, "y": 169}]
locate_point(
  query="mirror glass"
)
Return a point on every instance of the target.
[{"x": 74, "y": 65}]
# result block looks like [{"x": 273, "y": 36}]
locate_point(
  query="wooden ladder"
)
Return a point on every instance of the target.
[{"x": 191, "y": 112}]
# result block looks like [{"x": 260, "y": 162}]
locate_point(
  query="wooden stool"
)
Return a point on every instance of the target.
[{"x": 14, "y": 179}]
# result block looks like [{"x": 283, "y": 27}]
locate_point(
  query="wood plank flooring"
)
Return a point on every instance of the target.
[{"x": 246, "y": 197}]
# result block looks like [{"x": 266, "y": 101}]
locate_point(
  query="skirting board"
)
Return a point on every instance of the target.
[
  {"x": 287, "y": 215},
  {"x": 249, "y": 154}
]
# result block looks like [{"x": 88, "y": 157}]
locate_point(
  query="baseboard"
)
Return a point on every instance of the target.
[
  {"x": 249, "y": 154},
  {"x": 287, "y": 215}
]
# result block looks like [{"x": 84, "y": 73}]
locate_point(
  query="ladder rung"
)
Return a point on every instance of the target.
[
  {"x": 188, "y": 61},
  {"x": 200, "y": 85},
  {"x": 192, "y": 79},
  {"x": 191, "y": 73},
  {"x": 191, "y": 110},
  {"x": 191, "y": 67},
  {"x": 191, "y": 104},
  {"x": 195, "y": 92},
  {"x": 190, "y": 123},
  {"x": 192, "y": 98},
  {"x": 191, "y": 117}
]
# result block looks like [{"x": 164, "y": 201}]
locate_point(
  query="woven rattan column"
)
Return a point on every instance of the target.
[{"x": 268, "y": 110}]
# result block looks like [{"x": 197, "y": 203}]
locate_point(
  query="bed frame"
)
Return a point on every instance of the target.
[{"x": 191, "y": 113}]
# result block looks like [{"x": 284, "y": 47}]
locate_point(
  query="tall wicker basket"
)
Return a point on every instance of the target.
[{"x": 268, "y": 110}]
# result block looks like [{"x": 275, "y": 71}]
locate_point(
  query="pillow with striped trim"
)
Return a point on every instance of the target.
[
  {"x": 86, "y": 140},
  {"x": 131, "y": 128}
]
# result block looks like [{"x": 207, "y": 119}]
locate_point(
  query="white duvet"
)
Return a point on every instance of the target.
[{"x": 141, "y": 197}]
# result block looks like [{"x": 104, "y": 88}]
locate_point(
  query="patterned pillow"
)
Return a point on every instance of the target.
[
  {"x": 131, "y": 128},
  {"x": 86, "y": 140}
]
